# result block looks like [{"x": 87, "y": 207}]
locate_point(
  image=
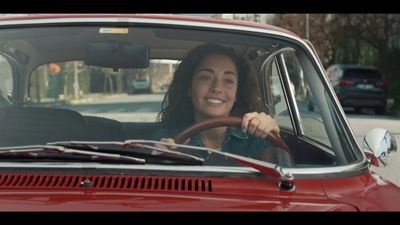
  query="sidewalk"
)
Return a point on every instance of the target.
[{"x": 87, "y": 98}]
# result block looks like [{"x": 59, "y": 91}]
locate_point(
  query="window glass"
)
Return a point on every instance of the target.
[
  {"x": 279, "y": 105},
  {"x": 6, "y": 84},
  {"x": 133, "y": 95},
  {"x": 309, "y": 112}
]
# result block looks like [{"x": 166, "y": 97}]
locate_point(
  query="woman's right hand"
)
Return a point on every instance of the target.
[
  {"x": 166, "y": 140},
  {"x": 169, "y": 141}
]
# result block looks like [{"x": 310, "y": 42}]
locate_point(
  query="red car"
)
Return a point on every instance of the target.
[{"x": 72, "y": 139}]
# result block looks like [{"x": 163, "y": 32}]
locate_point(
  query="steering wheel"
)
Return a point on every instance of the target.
[{"x": 229, "y": 121}]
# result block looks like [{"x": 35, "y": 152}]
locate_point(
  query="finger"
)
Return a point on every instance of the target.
[
  {"x": 263, "y": 130},
  {"x": 170, "y": 141},
  {"x": 253, "y": 126},
  {"x": 272, "y": 124},
  {"x": 275, "y": 127},
  {"x": 186, "y": 142},
  {"x": 246, "y": 120},
  {"x": 266, "y": 125}
]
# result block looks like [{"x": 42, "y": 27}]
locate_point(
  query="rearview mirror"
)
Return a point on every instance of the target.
[{"x": 117, "y": 55}]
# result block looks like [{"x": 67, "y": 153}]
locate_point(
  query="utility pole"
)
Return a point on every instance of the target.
[
  {"x": 76, "y": 81},
  {"x": 307, "y": 26}
]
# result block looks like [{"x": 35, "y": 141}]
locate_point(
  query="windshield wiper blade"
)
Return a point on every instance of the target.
[
  {"x": 32, "y": 151},
  {"x": 269, "y": 169},
  {"x": 151, "y": 150}
]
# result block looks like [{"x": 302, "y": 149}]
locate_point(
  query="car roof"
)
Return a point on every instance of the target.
[
  {"x": 149, "y": 16},
  {"x": 68, "y": 47}
]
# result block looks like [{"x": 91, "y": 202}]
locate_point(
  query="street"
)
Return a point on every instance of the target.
[{"x": 140, "y": 108}]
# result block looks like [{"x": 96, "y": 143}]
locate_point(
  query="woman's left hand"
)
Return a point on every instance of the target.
[{"x": 259, "y": 124}]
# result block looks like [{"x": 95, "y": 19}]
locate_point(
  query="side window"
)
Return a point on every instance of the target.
[
  {"x": 311, "y": 121},
  {"x": 279, "y": 106},
  {"x": 6, "y": 84}
]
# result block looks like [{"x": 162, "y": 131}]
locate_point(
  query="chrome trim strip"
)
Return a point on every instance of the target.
[
  {"x": 38, "y": 165},
  {"x": 290, "y": 97},
  {"x": 296, "y": 122},
  {"x": 326, "y": 170},
  {"x": 310, "y": 172}
]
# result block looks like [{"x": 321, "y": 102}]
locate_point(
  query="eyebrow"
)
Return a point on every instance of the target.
[{"x": 212, "y": 71}]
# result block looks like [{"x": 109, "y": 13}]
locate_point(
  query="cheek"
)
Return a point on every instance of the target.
[
  {"x": 231, "y": 92},
  {"x": 198, "y": 89}
]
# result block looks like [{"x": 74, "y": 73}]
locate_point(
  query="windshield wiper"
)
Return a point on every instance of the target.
[
  {"x": 270, "y": 169},
  {"x": 44, "y": 151},
  {"x": 148, "y": 150}
]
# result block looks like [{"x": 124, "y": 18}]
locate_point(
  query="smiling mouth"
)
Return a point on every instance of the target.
[{"x": 214, "y": 101}]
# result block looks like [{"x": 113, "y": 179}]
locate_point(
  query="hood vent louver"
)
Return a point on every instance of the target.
[{"x": 105, "y": 182}]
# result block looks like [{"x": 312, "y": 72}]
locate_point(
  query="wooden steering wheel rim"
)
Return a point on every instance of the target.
[{"x": 229, "y": 121}]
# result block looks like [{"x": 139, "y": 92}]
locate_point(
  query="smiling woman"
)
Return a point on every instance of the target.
[
  {"x": 82, "y": 135},
  {"x": 214, "y": 81}
]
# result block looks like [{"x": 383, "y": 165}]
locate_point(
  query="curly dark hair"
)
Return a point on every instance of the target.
[{"x": 177, "y": 109}]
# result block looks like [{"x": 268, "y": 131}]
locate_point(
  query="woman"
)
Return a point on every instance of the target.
[{"x": 214, "y": 81}]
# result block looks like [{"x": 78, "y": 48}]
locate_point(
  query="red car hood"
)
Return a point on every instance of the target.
[
  {"x": 369, "y": 192},
  {"x": 41, "y": 201},
  {"x": 225, "y": 195},
  {"x": 70, "y": 192}
]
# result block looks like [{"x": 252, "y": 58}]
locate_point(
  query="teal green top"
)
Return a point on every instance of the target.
[{"x": 236, "y": 142}]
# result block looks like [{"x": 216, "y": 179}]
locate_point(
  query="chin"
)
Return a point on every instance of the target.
[{"x": 213, "y": 115}]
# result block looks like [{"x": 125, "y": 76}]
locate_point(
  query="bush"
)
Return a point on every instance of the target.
[{"x": 396, "y": 106}]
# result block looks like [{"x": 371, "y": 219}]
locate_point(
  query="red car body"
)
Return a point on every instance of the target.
[
  {"x": 354, "y": 188},
  {"x": 359, "y": 193}
]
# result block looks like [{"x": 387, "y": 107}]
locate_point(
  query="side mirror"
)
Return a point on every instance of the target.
[{"x": 377, "y": 145}]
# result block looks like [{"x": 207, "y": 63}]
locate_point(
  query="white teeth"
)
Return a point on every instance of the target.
[{"x": 215, "y": 101}]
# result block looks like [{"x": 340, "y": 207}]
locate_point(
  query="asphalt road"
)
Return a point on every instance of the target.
[{"x": 122, "y": 107}]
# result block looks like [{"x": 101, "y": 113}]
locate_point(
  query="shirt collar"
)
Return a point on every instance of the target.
[{"x": 237, "y": 133}]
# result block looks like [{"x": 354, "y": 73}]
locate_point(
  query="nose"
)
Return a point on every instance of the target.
[{"x": 216, "y": 86}]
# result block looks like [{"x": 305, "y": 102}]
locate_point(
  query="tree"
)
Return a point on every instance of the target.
[
  {"x": 325, "y": 32},
  {"x": 353, "y": 39}
]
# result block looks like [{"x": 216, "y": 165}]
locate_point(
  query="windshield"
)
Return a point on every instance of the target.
[{"x": 115, "y": 84}]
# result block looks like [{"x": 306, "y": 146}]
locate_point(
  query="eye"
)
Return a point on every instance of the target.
[
  {"x": 229, "y": 81},
  {"x": 204, "y": 77}
]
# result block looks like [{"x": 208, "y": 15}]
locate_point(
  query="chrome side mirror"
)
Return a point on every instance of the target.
[{"x": 377, "y": 145}]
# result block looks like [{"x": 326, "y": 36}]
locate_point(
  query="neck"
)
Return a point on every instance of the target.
[
  {"x": 211, "y": 138},
  {"x": 214, "y": 138}
]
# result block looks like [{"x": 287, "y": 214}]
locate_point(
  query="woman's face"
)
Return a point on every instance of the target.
[{"x": 214, "y": 87}]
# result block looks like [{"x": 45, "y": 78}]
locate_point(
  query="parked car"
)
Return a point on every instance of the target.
[
  {"x": 140, "y": 85},
  {"x": 91, "y": 151},
  {"x": 359, "y": 86}
]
